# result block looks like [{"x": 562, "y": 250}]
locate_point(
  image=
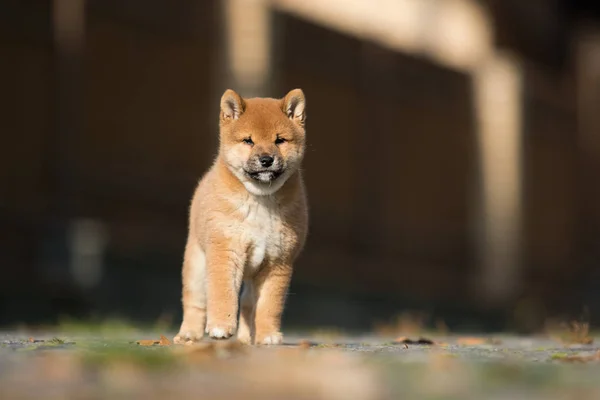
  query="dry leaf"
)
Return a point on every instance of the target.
[
  {"x": 425, "y": 341},
  {"x": 421, "y": 341},
  {"x": 164, "y": 341},
  {"x": 304, "y": 344},
  {"x": 31, "y": 340},
  {"x": 147, "y": 342}
]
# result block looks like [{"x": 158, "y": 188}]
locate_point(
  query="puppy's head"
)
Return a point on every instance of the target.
[{"x": 262, "y": 139}]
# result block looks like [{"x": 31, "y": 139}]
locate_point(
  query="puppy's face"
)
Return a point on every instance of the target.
[{"x": 263, "y": 139}]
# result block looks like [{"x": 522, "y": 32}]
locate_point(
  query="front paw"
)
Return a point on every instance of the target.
[
  {"x": 220, "y": 331},
  {"x": 274, "y": 338},
  {"x": 244, "y": 335},
  {"x": 188, "y": 335}
]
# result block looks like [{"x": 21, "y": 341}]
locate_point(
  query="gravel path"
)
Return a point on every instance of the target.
[{"x": 78, "y": 365}]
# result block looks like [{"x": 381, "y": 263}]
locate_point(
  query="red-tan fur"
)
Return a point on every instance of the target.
[{"x": 245, "y": 229}]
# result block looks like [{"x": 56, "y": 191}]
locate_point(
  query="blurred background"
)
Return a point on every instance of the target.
[{"x": 453, "y": 165}]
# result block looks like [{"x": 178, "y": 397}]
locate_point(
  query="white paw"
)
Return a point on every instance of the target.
[
  {"x": 217, "y": 332},
  {"x": 272, "y": 339}
]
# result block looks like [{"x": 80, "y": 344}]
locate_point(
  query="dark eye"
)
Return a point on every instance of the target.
[
  {"x": 248, "y": 141},
  {"x": 280, "y": 140}
]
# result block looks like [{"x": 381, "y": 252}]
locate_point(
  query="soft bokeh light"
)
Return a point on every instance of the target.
[{"x": 452, "y": 153}]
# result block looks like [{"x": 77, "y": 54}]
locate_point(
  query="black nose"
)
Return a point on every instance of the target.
[{"x": 266, "y": 161}]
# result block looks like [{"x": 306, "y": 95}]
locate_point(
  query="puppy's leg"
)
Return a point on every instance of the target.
[
  {"x": 194, "y": 295},
  {"x": 247, "y": 304},
  {"x": 224, "y": 270},
  {"x": 271, "y": 288}
]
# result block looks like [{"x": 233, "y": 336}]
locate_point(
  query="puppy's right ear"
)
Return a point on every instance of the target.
[{"x": 232, "y": 105}]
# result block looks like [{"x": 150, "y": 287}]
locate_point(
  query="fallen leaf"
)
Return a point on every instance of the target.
[
  {"x": 164, "y": 341},
  {"x": 31, "y": 340},
  {"x": 147, "y": 342},
  {"x": 304, "y": 344},
  {"x": 425, "y": 341},
  {"x": 420, "y": 341}
]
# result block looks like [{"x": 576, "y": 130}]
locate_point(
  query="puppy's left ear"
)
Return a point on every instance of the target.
[{"x": 294, "y": 106}]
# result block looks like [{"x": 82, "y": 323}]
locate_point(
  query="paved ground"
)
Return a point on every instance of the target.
[{"x": 94, "y": 365}]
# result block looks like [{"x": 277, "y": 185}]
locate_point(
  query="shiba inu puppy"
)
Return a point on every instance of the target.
[{"x": 247, "y": 222}]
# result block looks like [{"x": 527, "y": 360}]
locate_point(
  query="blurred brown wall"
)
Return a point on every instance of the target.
[{"x": 390, "y": 166}]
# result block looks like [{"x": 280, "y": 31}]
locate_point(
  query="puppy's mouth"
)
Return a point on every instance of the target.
[{"x": 265, "y": 176}]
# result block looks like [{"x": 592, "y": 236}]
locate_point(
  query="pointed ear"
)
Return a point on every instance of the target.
[
  {"x": 232, "y": 105},
  {"x": 294, "y": 106}
]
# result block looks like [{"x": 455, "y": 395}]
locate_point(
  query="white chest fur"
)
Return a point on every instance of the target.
[{"x": 261, "y": 230}]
